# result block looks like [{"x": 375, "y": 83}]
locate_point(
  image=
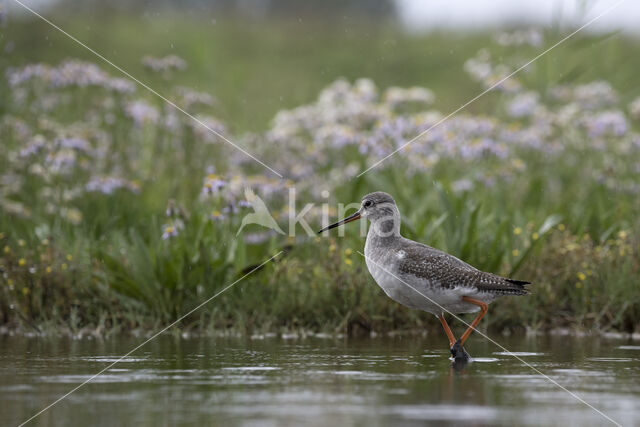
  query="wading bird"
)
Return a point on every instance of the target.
[{"x": 424, "y": 278}]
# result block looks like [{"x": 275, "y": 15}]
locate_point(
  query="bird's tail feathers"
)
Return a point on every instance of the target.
[{"x": 522, "y": 283}]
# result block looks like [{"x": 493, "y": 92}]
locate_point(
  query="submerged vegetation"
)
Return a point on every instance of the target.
[{"x": 120, "y": 212}]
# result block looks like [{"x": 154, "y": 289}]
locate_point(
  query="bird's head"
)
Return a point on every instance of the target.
[{"x": 380, "y": 209}]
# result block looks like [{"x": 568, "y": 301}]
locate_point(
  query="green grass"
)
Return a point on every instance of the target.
[{"x": 551, "y": 223}]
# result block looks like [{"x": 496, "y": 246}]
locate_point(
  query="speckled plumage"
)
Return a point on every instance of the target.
[
  {"x": 440, "y": 268},
  {"x": 420, "y": 276}
]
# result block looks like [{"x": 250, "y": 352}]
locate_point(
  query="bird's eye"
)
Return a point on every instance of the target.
[{"x": 367, "y": 203}]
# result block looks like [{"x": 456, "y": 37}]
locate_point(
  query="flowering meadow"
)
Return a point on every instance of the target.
[{"x": 119, "y": 212}]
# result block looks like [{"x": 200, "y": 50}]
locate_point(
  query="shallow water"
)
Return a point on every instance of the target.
[{"x": 400, "y": 381}]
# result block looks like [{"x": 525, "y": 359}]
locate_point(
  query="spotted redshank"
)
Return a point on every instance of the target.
[{"x": 421, "y": 277}]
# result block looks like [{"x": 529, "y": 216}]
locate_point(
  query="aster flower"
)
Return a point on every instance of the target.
[
  {"x": 190, "y": 98},
  {"x": 523, "y": 104},
  {"x": 212, "y": 184},
  {"x": 595, "y": 95},
  {"x": 69, "y": 73},
  {"x": 634, "y": 108},
  {"x": 172, "y": 229},
  {"x": 169, "y": 231},
  {"x": 109, "y": 184},
  {"x": 605, "y": 123},
  {"x": 142, "y": 113},
  {"x": 164, "y": 64},
  {"x": 217, "y": 216},
  {"x": 395, "y": 96}
]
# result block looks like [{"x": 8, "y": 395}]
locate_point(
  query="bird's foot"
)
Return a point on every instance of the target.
[{"x": 458, "y": 353}]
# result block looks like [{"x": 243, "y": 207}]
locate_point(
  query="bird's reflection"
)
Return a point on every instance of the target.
[{"x": 458, "y": 365}]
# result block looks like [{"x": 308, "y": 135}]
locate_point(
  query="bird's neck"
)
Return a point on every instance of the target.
[{"x": 384, "y": 229}]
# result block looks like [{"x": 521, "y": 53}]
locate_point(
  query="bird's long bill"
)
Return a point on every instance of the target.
[{"x": 350, "y": 218}]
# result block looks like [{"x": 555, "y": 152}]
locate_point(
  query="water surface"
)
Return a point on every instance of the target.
[{"x": 400, "y": 381}]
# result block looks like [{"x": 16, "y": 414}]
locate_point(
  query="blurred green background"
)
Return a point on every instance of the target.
[
  {"x": 78, "y": 260},
  {"x": 258, "y": 65}
]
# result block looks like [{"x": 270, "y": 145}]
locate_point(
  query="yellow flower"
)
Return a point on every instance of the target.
[
  {"x": 348, "y": 252},
  {"x": 581, "y": 275},
  {"x": 348, "y": 261},
  {"x": 561, "y": 227},
  {"x": 622, "y": 234},
  {"x": 48, "y": 270},
  {"x": 45, "y": 242},
  {"x": 517, "y": 231},
  {"x": 64, "y": 266},
  {"x": 515, "y": 252},
  {"x": 7, "y": 249},
  {"x": 578, "y": 285},
  {"x": 25, "y": 291},
  {"x": 332, "y": 247},
  {"x": 22, "y": 262},
  {"x": 10, "y": 282},
  {"x": 69, "y": 257},
  {"x": 535, "y": 236},
  {"x": 21, "y": 242}
]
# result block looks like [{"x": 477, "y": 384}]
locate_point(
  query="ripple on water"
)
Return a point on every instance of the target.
[
  {"x": 348, "y": 373},
  {"x": 372, "y": 375},
  {"x": 444, "y": 412},
  {"x": 484, "y": 359},
  {"x": 17, "y": 387},
  {"x": 521, "y": 378},
  {"x": 251, "y": 368},
  {"x": 580, "y": 372},
  {"x": 398, "y": 391},
  {"x": 629, "y": 347},
  {"x": 140, "y": 376},
  {"x": 107, "y": 359},
  {"x": 518, "y": 353},
  {"x": 610, "y": 359}
]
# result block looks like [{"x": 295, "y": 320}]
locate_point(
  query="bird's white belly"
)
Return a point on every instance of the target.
[{"x": 419, "y": 294}]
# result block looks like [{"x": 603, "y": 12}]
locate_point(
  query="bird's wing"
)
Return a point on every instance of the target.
[{"x": 442, "y": 269}]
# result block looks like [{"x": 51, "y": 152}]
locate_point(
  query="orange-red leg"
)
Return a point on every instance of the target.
[
  {"x": 447, "y": 330},
  {"x": 483, "y": 310}
]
